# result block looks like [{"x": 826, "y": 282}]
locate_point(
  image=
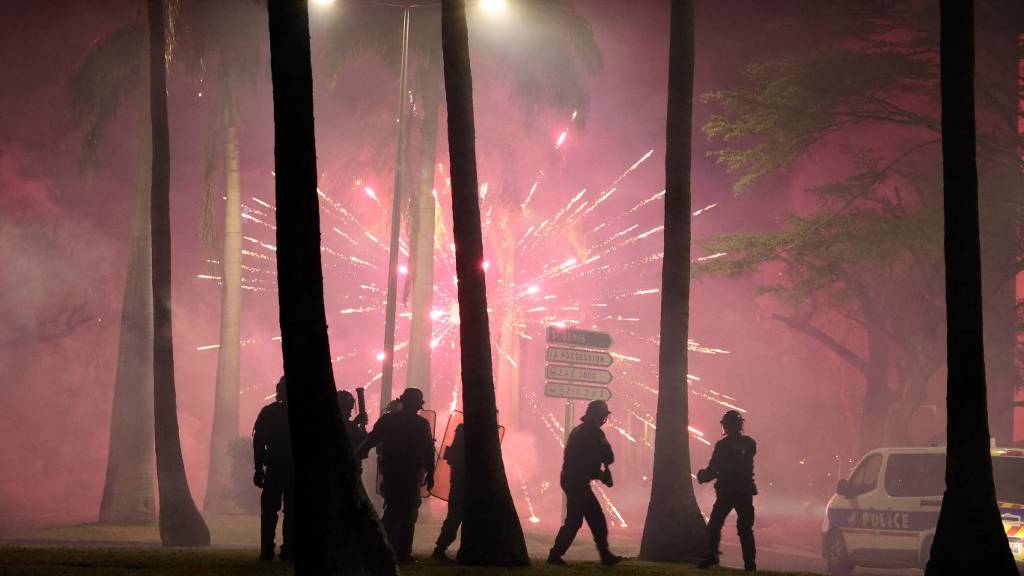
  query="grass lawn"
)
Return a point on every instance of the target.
[{"x": 35, "y": 560}]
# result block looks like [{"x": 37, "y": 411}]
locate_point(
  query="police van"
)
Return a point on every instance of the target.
[{"x": 884, "y": 514}]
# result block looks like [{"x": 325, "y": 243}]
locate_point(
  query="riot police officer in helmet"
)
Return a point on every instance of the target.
[
  {"x": 272, "y": 455},
  {"x": 588, "y": 456},
  {"x": 406, "y": 463},
  {"x": 732, "y": 467},
  {"x": 355, "y": 428}
]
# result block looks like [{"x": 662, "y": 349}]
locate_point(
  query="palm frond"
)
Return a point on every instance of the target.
[
  {"x": 546, "y": 59},
  {"x": 110, "y": 72}
]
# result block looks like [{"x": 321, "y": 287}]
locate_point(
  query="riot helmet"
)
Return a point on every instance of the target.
[
  {"x": 597, "y": 411},
  {"x": 732, "y": 422},
  {"x": 411, "y": 398},
  {"x": 347, "y": 402}
]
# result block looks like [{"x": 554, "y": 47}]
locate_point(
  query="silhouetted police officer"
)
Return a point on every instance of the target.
[
  {"x": 355, "y": 428},
  {"x": 455, "y": 456},
  {"x": 406, "y": 463},
  {"x": 588, "y": 456},
  {"x": 272, "y": 454},
  {"x": 732, "y": 465}
]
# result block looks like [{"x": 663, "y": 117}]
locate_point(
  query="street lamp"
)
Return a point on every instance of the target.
[
  {"x": 388, "y": 369},
  {"x": 493, "y": 6}
]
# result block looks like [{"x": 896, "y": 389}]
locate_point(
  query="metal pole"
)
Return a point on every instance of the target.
[
  {"x": 387, "y": 372},
  {"x": 566, "y": 430}
]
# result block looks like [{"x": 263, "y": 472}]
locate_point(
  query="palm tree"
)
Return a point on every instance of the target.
[
  {"x": 180, "y": 521},
  {"x": 491, "y": 533},
  {"x": 545, "y": 67},
  {"x": 337, "y": 531},
  {"x": 969, "y": 538},
  {"x": 223, "y": 32},
  {"x": 675, "y": 529},
  {"x": 111, "y": 72}
]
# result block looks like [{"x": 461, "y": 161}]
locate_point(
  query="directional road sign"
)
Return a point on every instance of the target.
[
  {"x": 577, "y": 337},
  {"x": 577, "y": 374},
  {"x": 575, "y": 356},
  {"x": 576, "y": 391}
]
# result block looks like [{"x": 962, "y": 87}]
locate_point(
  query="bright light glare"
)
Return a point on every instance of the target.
[
  {"x": 323, "y": 2},
  {"x": 532, "y": 290},
  {"x": 493, "y": 6},
  {"x": 486, "y": 265},
  {"x": 403, "y": 269},
  {"x": 381, "y": 355}
]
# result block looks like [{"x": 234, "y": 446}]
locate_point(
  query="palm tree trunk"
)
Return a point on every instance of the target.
[
  {"x": 675, "y": 530},
  {"x": 969, "y": 538},
  {"x": 491, "y": 533},
  {"x": 128, "y": 489},
  {"x": 336, "y": 528},
  {"x": 1002, "y": 214},
  {"x": 424, "y": 212},
  {"x": 180, "y": 521},
  {"x": 219, "y": 492}
]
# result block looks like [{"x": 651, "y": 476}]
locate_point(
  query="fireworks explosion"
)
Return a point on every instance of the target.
[{"x": 537, "y": 260}]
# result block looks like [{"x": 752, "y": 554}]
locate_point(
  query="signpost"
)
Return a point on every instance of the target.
[
  {"x": 577, "y": 337},
  {"x": 575, "y": 356},
  {"x": 574, "y": 367},
  {"x": 576, "y": 391},
  {"x": 577, "y": 374}
]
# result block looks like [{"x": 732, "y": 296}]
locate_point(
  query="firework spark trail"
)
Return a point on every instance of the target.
[
  {"x": 611, "y": 507},
  {"x": 533, "y": 189},
  {"x": 526, "y": 494}
]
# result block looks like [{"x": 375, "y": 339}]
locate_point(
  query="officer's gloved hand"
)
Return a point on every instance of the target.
[
  {"x": 703, "y": 476},
  {"x": 606, "y": 477},
  {"x": 362, "y": 419},
  {"x": 429, "y": 481},
  {"x": 258, "y": 478}
]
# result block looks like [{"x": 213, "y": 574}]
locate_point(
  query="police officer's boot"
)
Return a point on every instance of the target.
[
  {"x": 710, "y": 560},
  {"x": 607, "y": 558},
  {"x": 555, "y": 558}
]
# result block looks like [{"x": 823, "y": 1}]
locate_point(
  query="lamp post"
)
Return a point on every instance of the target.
[{"x": 388, "y": 370}]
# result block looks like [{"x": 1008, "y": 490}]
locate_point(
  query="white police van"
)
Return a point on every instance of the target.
[{"x": 884, "y": 514}]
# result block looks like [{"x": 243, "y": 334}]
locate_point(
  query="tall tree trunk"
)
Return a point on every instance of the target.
[
  {"x": 491, "y": 533},
  {"x": 1002, "y": 211},
  {"x": 969, "y": 538},
  {"x": 675, "y": 529},
  {"x": 128, "y": 489},
  {"x": 220, "y": 495},
  {"x": 424, "y": 212},
  {"x": 180, "y": 521},
  {"x": 336, "y": 529}
]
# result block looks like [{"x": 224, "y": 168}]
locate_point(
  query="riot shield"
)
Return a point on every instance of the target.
[{"x": 443, "y": 471}]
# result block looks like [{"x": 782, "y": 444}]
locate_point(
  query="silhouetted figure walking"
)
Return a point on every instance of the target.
[
  {"x": 355, "y": 428},
  {"x": 732, "y": 465},
  {"x": 406, "y": 463},
  {"x": 275, "y": 473},
  {"x": 455, "y": 456},
  {"x": 588, "y": 456}
]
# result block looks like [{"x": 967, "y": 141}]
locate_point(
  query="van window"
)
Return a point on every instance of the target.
[
  {"x": 865, "y": 477},
  {"x": 915, "y": 475},
  {"x": 1009, "y": 477}
]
